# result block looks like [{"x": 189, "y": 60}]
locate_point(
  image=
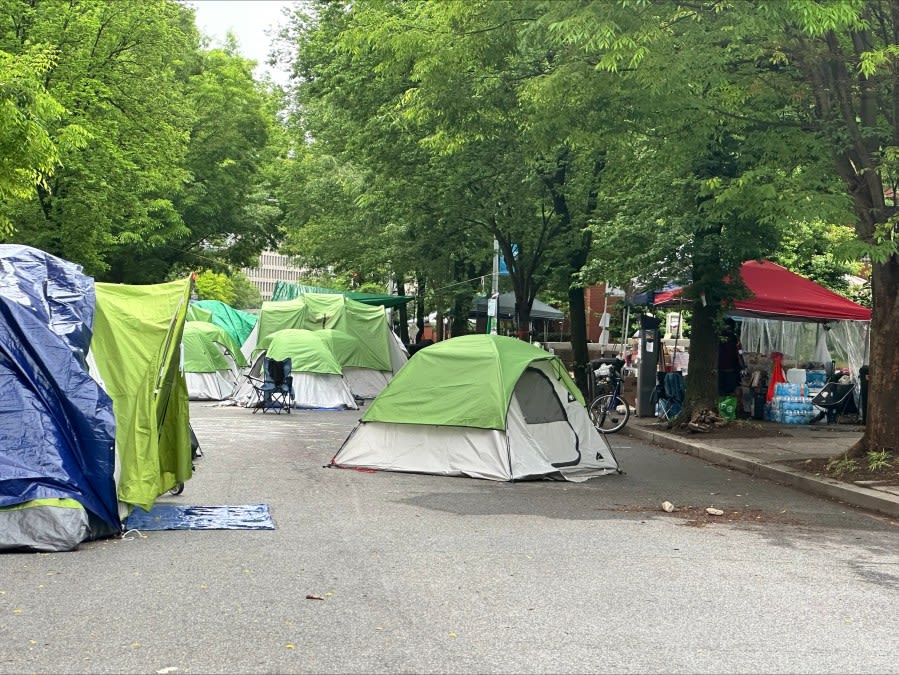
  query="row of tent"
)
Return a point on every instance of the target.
[
  {"x": 341, "y": 350},
  {"x": 95, "y": 418}
]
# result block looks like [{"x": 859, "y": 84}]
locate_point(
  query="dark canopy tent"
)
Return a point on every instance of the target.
[{"x": 506, "y": 308}]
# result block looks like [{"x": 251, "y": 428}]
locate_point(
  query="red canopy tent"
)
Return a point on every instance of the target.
[{"x": 778, "y": 293}]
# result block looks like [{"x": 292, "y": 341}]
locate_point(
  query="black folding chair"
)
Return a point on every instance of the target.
[{"x": 275, "y": 392}]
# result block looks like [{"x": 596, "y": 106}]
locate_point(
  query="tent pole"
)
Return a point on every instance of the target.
[{"x": 494, "y": 294}]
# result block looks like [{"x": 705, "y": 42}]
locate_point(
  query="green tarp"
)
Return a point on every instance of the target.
[
  {"x": 285, "y": 290},
  {"x": 313, "y": 311},
  {"x": 201, "y": 355},
  {"x": 136, "y": 346},
  {"x": 196, "y": 313},
  {"x": 435, "y": 386},
  {"x": 238, "y": 323}
]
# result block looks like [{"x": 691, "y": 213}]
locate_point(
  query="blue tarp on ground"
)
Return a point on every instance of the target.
[
  {"x": 178, "y": 517},
  {"x": 57, "y": 429}
]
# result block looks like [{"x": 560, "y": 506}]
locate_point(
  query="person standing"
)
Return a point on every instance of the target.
[{"x": 730, "y": 359}]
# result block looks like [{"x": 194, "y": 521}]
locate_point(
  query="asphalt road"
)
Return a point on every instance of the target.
[{"x": 427, "y": 574}]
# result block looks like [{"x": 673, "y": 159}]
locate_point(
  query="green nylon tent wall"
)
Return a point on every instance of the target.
[
  {"x": 200, "y": 352},
  {"x": 367, "y": 323},
  {"x": 136, "y": 346},
  {"x": 434, "y": 388}
]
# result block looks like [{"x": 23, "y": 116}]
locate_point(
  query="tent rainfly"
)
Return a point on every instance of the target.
[
  {"x": 484, "y": 406},
  {"x": 316, "y": 371},
  {"x": 236, "y": 322},
  {"x": 212, "y": 361}
]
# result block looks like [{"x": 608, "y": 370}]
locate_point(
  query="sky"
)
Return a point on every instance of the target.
[{"x": 248, "y": 20}]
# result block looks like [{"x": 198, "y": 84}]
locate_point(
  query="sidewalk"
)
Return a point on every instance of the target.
[{"x": 763, "y": 457}]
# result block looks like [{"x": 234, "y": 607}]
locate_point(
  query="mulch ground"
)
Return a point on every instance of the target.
[{"x": 828, "y": 468}]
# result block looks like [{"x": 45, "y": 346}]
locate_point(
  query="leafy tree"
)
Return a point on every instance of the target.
[
  {"x": 29, "y": 153},
  {"x": 839, "y": 58},
  {"x": 246, "y": 295},
  {"x": 119, "y": 76},
  {"x": 227, "y": 210},
  {"x": 214, "y": 286}
]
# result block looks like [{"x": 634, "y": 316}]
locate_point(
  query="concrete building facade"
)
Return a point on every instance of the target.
[{"x": 273, "y": 267}]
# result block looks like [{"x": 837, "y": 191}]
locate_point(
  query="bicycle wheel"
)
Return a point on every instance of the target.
[{"x": 609, "y": 413}]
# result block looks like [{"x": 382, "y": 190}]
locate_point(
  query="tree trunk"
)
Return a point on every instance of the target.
[
  {"x": 404, "y": 315},
  {"x": 702, "y": 390},
  {"x": 420, "y": 308},
  {"x": 580, "y": 355},
  {"x": 882, "y": 428}
]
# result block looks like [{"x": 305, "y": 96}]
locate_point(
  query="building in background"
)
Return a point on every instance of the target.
[
  {"x": 273, "y": 267},
  {"x": 601, "y": 302}
]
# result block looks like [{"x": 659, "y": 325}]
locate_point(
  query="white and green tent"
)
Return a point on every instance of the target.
[
  {"x": 484, "y": 406},
  {"x": 212, "y": 361},
  {"x": 379, "y": 355},
  {"x": 315, "y": 369}
]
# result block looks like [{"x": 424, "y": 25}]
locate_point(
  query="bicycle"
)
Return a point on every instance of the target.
[{"x": 609, "y": 411}]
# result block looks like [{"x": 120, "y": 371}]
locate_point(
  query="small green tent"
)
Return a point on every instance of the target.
[
  {"x": 136, "y": 348},
  {"x": 316, "y": 372},
  {"x": 485, "y": 406},
  {"x": 212, "y": 361}
]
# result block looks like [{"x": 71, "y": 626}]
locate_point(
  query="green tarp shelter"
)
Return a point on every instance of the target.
[
  {"x": 315, "y": 311},
  {"x": 136, "y": 347},
  {"x": 238, "y": 323}
]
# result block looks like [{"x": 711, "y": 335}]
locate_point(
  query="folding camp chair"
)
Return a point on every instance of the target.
[
  {"x": 836, "y": 400},
  {"x": 275, "y": 392},
  {"x": 668, "y": 396}
]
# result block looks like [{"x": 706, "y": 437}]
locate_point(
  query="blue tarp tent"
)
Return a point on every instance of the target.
[{"x": 57, "y": 429}]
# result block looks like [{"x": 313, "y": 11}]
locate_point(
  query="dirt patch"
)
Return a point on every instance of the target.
[
  {"x": 844, "y": 472},
  {"x": 697, "y": 516}
]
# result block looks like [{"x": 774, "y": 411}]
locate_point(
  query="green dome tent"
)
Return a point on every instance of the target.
[
  {"x": 316, "y": 371},
  {"x": 484, "y": 406},
  {"x": 212, "y": 361}
]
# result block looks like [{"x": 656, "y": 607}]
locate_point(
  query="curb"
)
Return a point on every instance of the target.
[{"x": 853, "y": 495}]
